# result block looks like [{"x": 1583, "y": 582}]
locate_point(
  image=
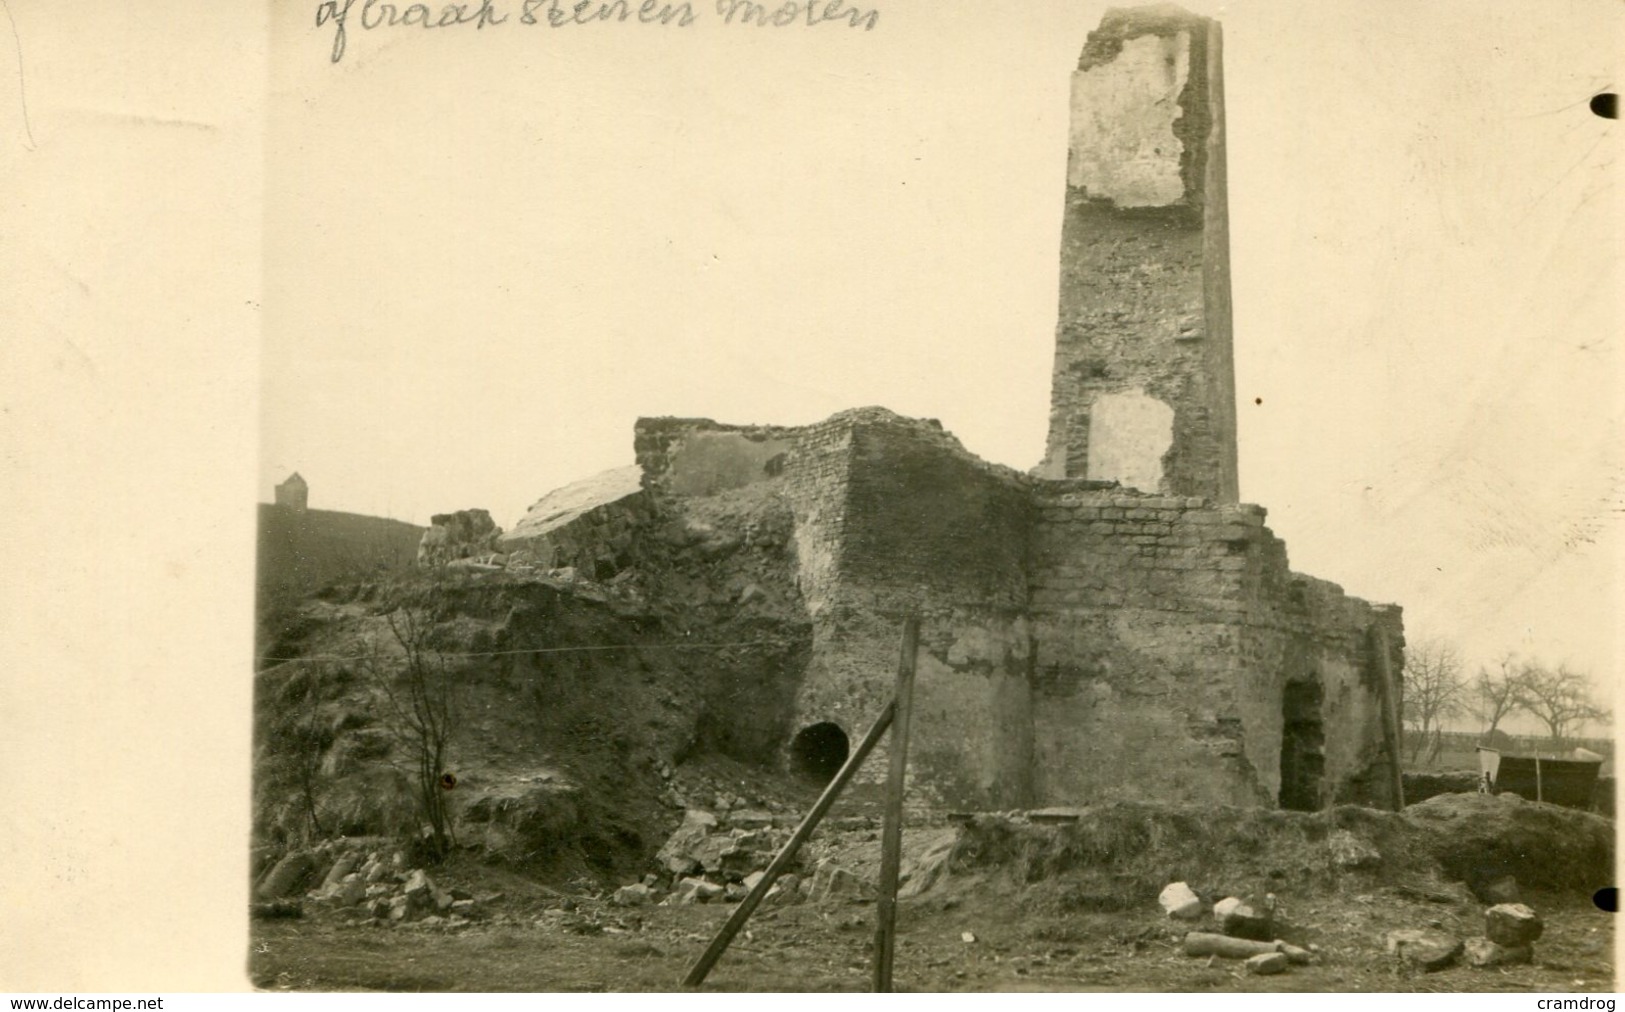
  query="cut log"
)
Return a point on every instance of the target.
[{"x": 1202, "y": 943}]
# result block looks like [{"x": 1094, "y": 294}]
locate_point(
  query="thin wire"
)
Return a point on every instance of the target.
[{"x": 536, "y": 650}]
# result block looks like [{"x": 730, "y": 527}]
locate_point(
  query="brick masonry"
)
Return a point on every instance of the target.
[
  {"x": 1116, "y": 625},
  {"x": 1080, "y": 641},
  {"x": 1143, "y": 389}
]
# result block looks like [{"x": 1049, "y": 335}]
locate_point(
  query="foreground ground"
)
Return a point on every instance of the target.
[
  {"x": 1018, "y": 907},
  {"x": 826, "y": 948}
]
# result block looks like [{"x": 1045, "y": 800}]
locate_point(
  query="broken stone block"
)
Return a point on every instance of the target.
[
  {"x": 696, "y": 890},
  {"x": 1267, "y": 963},
  {"x": 830, "y": 881},
  {"x": 1349, "y": 851},
  {"x": 1501, "y": 890},
  {"x": 417, "y": 896},
  {"x": 1429, "y": 949},
  {"x": 288, "y": 875},
  {"x": 1483, "y": 953},
  {"x": 350, "y": 891},
  {"x": 342, "y": 867},
  {"x": 1293, "y": 954},
  {"x": 632, "y": 895},
  {"x": 459, "y": 535},
  {"x": 1240, "y": 919},
  {"x": 677, "y": 854},
  {"x": 464, "y": 908},
  {"x": 734, "y": 892},
  {"x": 1512, "y": 925},
  {"x": 1180, "y": 901},
  {"x": 750, "y": 881},
  {"x": 713, "y": 851}
]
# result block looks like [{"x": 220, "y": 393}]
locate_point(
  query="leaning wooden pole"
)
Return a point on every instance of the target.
[
  {"x": 1390, "y": 711},
  {"x": 787, "y": 853},
  {"x": 891, "y": 837}
]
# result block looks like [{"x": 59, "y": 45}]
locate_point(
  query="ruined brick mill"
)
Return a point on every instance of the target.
[{"x": 1115, "y": 624}]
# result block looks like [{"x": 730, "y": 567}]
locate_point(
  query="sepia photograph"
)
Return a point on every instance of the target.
[
  {"x": 820, "y": 497},
  {"x": 889, "y": 495}
]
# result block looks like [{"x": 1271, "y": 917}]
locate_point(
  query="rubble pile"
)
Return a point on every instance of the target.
[
  {"x": 1510, "y": 932},
  {"x": 466, "y": 537},
  {"x": 365, "y": 878},
  {"x": 720, "y": 856},
  {"x": 1247, "y": 931}
]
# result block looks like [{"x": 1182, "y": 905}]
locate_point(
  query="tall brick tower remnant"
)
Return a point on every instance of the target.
[{"x": 1144, "y": 382}]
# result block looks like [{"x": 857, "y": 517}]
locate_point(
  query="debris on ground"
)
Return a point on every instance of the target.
[{"x": 1180, "y": 901}]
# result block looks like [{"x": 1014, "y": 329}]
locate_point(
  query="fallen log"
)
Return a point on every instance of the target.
[{"x": 1202, "y": 943}]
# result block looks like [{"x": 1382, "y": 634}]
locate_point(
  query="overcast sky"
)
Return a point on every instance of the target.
[{"x": 489, "y": 252}]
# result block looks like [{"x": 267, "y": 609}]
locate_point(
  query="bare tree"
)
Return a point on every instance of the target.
[
  {"x": 1561, "y": 699},
  {"x": 1434, "y": 689},
  {"x": 1493, "y": 694},
  {"x": 422, "y": 709}
]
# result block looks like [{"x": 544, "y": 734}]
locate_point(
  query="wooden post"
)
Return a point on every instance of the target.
[
  {"x": 787, "y": 853},
  {"x": 1539, "y": 794},
  {"x": 1390, "y": 711},
  {"x": 891, "y": 838}
]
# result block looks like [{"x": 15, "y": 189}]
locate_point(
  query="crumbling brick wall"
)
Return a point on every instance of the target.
[
  {"x": 1079, "y": 641},
  {"x": 1143, "y": 387}
]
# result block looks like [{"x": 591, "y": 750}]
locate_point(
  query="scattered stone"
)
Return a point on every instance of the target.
[
  {"x": 928, "y": 868},
  {"x": 457, "y": 536},
  {"x": 1431, "y": 950},
  {"x": 1512, "y": 925},
  {"x": 631, "y": 896},
  {"x": 342, "y": 867},
  {"x": 1240, "y": 919},
  {"x": 288, "y": 876},
  {"x": 967, "y": 937},
  {"x": 785, "y": 891},
  {"x": 1483, "y": 953},
  {"x": 464, "y": 908},
  {"x": 831, "y": 881},
  {"x": 696, "y": 890},
  {"x": 734, "y": 892},
  {"x": 350, "y": 891},
  {"x": 1266, "y": 963},
  {"x": 750, "y": 881},
  {"x": 1180, "y": 901},
  {"x": 1501, "y": 890},
  {"x": 677, "y": 855},
  {"x": 1293, "y": 954},
  {"x": 1349, "y": 851}
]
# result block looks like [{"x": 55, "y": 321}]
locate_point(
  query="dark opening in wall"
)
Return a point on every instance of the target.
[
  {"x": 1302, "y": 761},
  {"x": 818, "y": 751}
]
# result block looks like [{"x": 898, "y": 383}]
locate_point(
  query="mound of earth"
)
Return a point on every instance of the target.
[{"x": 1114, "y": 856}]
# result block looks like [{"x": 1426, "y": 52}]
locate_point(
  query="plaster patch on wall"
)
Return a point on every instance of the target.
[
  {"x": 1123, "y": 146},
  {"x": 1128, "y": 435}
]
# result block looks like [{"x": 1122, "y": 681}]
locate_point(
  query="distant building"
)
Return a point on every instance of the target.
[{"x": 293, "y": 493}]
